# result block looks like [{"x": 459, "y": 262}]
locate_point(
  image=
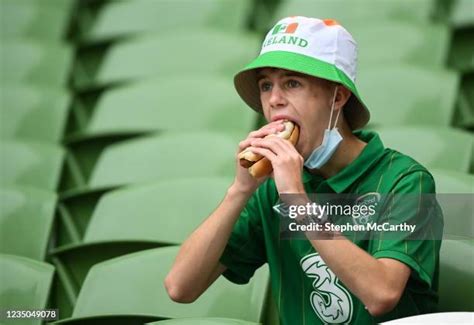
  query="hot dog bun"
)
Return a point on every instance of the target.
[{"x": 258, "y": 165}]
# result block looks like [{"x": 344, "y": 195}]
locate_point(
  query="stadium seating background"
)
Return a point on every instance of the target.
[{"x": 104, "y": 103}]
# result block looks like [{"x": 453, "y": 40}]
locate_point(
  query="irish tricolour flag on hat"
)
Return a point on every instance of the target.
[{"x": 317, "y": 47}]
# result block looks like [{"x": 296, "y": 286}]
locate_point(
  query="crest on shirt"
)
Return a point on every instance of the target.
[{"x": 370, "y": 201}]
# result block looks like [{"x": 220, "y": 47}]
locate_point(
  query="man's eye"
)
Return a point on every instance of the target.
[
  {"x": 265, "y": 86},
  {"x": 293, "y": 83}
]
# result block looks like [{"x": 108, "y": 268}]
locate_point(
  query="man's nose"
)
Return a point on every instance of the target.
[{"x": 277, "y": 98}]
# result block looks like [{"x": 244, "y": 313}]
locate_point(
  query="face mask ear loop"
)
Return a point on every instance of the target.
[
  {"x": 337, "y": 116},
  {"x": 332, "y": 108}
]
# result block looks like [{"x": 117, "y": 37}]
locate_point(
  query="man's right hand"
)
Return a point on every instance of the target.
[{"x": 244, "y": 182}]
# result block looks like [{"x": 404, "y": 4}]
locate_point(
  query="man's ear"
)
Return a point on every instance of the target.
[{"x": 342, "y": 96}]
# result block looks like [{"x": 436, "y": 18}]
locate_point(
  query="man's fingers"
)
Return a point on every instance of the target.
[
  {"x": 265, "y": 130},
  {"x": 270, "y": 128},
  {"x": 265, "y": 153},
  {"x": 277, "y": 145}
]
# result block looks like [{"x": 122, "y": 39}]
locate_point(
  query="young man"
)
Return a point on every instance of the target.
[{"x": 305, "y": 73}]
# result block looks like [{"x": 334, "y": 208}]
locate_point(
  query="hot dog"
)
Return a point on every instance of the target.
[{"x": 258, "y": 165}]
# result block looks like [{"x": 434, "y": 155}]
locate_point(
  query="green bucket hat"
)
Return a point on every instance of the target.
[{"x": 319, "y": 48}]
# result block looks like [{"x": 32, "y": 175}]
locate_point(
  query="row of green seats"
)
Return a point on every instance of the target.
[
  {"x": 122, "y": 19},
  {"x": 169, "y": 211},
  {"x": 175, "y": 103},
  {"x": 105, "y": 296},
  {"x": 152, "y": 158},
  {"x": 211, "y": 103},
  {"x": 104, "y": 241},
  {"x": 157, "y": 157},
  {"x": 26, "y": 209},
  {"x": 197, "y": 51},
  {"x": 215, "y": 52}
]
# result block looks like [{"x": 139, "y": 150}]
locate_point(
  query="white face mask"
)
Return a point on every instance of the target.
[{"x": 331, "y": 140}]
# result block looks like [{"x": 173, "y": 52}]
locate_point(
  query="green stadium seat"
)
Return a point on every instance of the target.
[
  {"x": 197, "y": 51},
  {"x": 409, "y": 94},
  {"x": 455, "y": 192},
  {"x": 35, "y": 113},
  {"x": 25, "y": 284},
  {"x": 125, "y": 18},
  {"x": 143, "y": 298},
  {"x": 28, "y": 19},
  {"x": 443, "y": 148},
  {"x": 30, "y": 163},
  {"x": 424, "y": 45},
  {"x": 456, "y": 280},
  {"x": 363, "y": 10},
  {"x": 462, "y": 14},
  {"x": 169, "y": 211},
  {"x": 206, "y": 102},
  {"x": 202, "y": 321},
  {"x": 35, "y": 62},
  {"x": 26, "y": 220},
  {"x": 448, "y": 181},
  {"x": 166, "y": 156}
]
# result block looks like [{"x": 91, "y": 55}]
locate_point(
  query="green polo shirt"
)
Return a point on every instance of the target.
[{"x": 305, "y": 290}]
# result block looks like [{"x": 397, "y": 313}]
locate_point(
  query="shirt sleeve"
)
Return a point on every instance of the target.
[
  {"x": 413, "y": 202},
  {"x": 245, "y": 250}
]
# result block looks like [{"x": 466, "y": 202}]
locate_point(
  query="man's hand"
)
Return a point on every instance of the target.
[
  {"x": 244, "y": 182},
  {"x": 286, "y": 161}
]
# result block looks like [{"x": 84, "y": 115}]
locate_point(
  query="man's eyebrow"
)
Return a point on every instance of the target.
[
  {"x": 285, "y": 74},
  {"x": 260, "y": 76},
  {"x": 294, "y": 74}
]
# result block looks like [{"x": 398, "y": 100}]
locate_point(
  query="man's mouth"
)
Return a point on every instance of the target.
[{"x": 284, "y": 118}]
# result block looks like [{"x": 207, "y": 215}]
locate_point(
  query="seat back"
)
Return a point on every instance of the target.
[
  {"x": 36, "y": 113},
  {"x": 443, "y": 148},
  {"x": 35, "y": 62},
  {"x": 408, "y": 94},
  {"x": 455, "y": 198},
  {"x": 25, "y": 283},
  {"x": 26, "y": 220},
  {"x": 28, "y": 19},
  {"x": 30, "y": 163},
  {"x": 141, "y": 17},
  {"x": 169, "y": 210},
  {"x": 165, "y": 157},
  {"x": 199, "y": 51},
  {"x": 209, "y": 103},
  {"x": 106, "y": 293}
]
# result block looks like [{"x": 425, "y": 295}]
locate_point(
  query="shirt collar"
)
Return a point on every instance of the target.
[{"x": 352, "y": 172}]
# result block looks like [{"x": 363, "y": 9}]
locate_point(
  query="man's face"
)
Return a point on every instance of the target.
[{"x": 300, "y": 98}]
